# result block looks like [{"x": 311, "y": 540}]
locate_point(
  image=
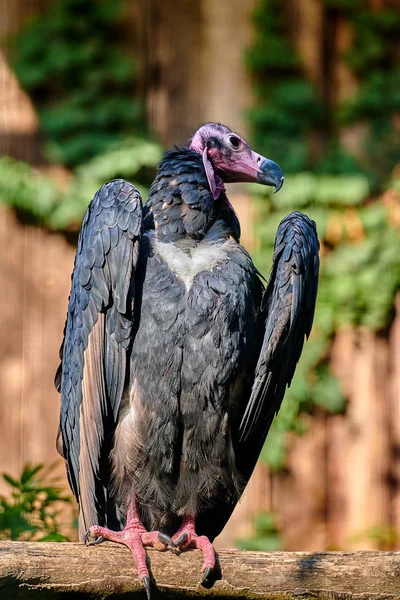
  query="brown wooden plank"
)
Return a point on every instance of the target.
[{"x": 29, "y": 570}]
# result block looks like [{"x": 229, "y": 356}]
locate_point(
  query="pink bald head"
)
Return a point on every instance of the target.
[
  {"x": 228, "y": 158},
  {"x": 205, "y": 133}
]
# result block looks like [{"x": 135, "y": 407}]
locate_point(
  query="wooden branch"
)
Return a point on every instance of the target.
[{"x": 43, "y": 570}]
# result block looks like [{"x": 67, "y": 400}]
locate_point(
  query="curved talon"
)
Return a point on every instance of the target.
[
  {"x": 95, "y": 542},
  {"x": 182, "y": 539},
  {"x": 206, "y": 573},
  {"x": 165, "y": 539},
  {"x": 97, "y": 539},
  {"x": 186, "y": 537},
  {"x": 86, "y": 537},
  {"x": 147, "y": 585}
]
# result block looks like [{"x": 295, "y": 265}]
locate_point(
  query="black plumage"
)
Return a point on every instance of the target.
[
  {"x": 96, "y": 339},
  {"x": 175, "y": 359}
]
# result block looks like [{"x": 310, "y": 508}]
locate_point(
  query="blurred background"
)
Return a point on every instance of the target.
[{"x": 94, "y": 90}]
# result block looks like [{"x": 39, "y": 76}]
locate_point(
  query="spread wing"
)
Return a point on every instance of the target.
[
  {"x": 288, "y": 306},
  {"x": 97, "y": 337}
]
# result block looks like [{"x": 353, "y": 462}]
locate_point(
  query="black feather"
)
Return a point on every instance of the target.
[
  {"x": 289, "y": 303},
  {"x": 102, "y": 275}
]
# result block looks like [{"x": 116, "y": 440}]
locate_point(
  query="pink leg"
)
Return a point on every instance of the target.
[
  {"x": 186, "y": 537},
  {"x": 135, "y": 537}
]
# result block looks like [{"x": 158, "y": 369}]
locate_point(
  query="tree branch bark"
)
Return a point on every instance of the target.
[{"x": 31, "y": 570}]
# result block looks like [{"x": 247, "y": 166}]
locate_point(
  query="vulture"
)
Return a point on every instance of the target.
[{"x": 175, "y": 356}]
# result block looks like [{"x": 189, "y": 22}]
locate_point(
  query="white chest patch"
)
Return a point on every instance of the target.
[{"x": 186, "y": 265}]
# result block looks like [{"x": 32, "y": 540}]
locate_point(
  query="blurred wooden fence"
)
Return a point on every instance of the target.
[
  {"x": 341, "y": 485},
  {"x": 35, "y": 282}
]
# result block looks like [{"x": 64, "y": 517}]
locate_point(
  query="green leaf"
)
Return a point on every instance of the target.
[
  {"x": 29, "y": 513},
  {"x": 29, "y": 473},
  {"x": 11, "y": 481}
]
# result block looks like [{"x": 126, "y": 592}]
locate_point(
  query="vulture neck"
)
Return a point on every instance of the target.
[{"x": 182, "y": 205}]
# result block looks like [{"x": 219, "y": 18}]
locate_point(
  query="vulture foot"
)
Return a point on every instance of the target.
[
  {"x": 136, "y": 538},
  {"x": 186, "y": 537}
]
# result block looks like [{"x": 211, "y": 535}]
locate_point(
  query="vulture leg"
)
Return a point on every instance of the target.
[
  {"x": 135, "y": 537},
  {"x": 186, "y": 537}
]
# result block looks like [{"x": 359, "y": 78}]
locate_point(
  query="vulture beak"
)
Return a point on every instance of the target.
[
  {"x": 270, "y": 174},
  {"x": 253, "y": 168}
]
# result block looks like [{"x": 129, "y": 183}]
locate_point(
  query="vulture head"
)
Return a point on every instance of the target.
[{"x": 228, "y": 158}]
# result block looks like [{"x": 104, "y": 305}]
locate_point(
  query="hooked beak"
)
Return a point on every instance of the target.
[
  {"x": 271, "y": 174},
  {"x": 254, "y": 168}
]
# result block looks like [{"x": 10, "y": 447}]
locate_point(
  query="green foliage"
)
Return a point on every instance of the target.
[
  {"x": 30, "y": 512},
  {"x": 293, "y": 125},
  {"x": 287, "y": 107},
  {"x": 360, "y": 275},
  {"x": 27, "y": 190},
  {"x": 266, "y": 535},
  {"x": 40, "y": 200},
  {"x": 69, "y": 59},
  {"x": 375, "y": 59},
  {"x": 135, "y": 160}
]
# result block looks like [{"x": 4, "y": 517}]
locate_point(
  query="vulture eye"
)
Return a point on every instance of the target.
[{"x": 234, "y": 141}]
